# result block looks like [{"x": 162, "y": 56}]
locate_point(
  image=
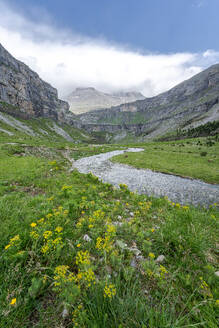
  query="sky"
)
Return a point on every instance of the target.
[{"x": 113, "y": 45}]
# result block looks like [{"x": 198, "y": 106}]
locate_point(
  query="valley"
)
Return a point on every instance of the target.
[{"x": 108, "y": 220}]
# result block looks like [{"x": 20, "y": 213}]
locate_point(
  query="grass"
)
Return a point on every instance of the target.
[
  {"x": 194, "y": 158},
  {"x": 79, "y": 253}
]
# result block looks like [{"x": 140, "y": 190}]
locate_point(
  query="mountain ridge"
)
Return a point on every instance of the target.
[
  {"x": 189, "y": 104},
  {"x": 87, "y": 99}
]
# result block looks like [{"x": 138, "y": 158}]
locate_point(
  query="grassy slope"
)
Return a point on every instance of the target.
[
  {"x": 180, "y": 293},
  {"x": 178, "y": 157}
]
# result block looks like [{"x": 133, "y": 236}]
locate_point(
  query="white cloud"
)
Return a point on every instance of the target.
[{"x": 68, "y": 60}]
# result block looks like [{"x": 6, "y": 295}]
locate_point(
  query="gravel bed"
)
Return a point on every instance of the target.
[{"x": 144, "y": 181}]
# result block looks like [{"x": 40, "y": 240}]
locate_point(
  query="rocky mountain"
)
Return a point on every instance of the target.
[
  {"x": 24, "y": 94},
  {"x": 83, "y": 100},
  {"x": 189, "y": 104}
]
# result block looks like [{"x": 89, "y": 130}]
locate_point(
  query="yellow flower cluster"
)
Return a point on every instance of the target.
[
  {"x": 205, "y": 289},
  {"x": 61, "y": 270},
  {"x": 60, "y": 273},
  {"x": 34, "y": 235},
  {"x": 109, "y": 290},
  {"x": 65, "y": 187},
  {"x": 123, "y": 186},
  {"x": 76, "y": 315},
  {"x": 163, "y": 271},
  {"x": 106, "y": 242},
  {"x": 87, "y": 276},
  {"x": 13, "y": 241},
  {"x": 82, "y": 257},
  {"x": 47, "y": 234},
  {"x": 144, "y": 206},
  {"x": 151, "y": 255},
  {"x": 58, "y": 229},
  {"x": 111, "y": 229}
]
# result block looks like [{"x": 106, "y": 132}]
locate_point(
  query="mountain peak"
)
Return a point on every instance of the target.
[{"x": 85, "y": 99}]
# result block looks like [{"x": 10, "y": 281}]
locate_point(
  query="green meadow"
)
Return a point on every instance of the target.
[
  {"x": 76, "y": 252},
  {"x": 194, "y": 158}
]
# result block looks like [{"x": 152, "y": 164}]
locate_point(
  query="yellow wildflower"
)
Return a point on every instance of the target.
[
  {"x": 151, "y": 255},
  {"x": 47, "y": 234},
  {"x": 61, "y": 270},
  {"x": 33, "y": 224},
  {"x": 34, "y": 235},
  {"x": 109, "y": 290},
  {"x": 57, "y": 241},
  {"x": 83, "y": 257},
  {"x": 7, "y": 246},
  {"x": 78, "y": 245},
  {"x": 58, "y": 229},
  {"x": 45, "y": 248},
  {"x": 40, "y": 220},
  {"x": 13, "y": 301}
]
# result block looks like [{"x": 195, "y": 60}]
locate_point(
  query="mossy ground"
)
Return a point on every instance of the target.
[{"x": 51, "y": 275}]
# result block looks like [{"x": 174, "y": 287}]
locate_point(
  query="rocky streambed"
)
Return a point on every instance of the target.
[{"x": 144, "y": 181}]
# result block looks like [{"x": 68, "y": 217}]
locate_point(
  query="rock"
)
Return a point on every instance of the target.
[
  {"x": 133, "y": 263},
  {"x": 65, "y": 313},
  {"x": 117, "y": 223},
  {"x": 23, "y": 93},
  {"x": 87, "y": 238},
  {"x": 135, "y": 250},
  {"x": 217, "y": 274},
  {"x": 189, "y": 104},
  {"x": 131, "y": 214},
  {"x": 160, "y": 259}
]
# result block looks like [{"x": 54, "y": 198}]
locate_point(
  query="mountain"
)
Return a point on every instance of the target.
[
  {"x": 24, "y": 94},
  {"x": 83, "y": 100},
  {"x": 191, "y": 103}
]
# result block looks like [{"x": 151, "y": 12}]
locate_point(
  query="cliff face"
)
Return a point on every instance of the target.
[
  {"x": 189, "y": 104},
  {"x": 24, "y": 94}
]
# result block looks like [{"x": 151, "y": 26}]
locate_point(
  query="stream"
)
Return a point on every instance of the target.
[{"x": 144, "y": 181}]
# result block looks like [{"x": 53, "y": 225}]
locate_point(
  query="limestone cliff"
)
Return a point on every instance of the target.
[
  {"x": 191, "y": 103},
  {"x": 24, "y": 94}
]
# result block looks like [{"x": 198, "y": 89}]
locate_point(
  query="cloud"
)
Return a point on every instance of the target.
[
  {"x": 68, "y": 60},
  {"x": 199, "y": 3}
]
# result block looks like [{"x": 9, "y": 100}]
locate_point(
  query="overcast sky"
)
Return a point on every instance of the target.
[{"x": 112, "y": 45}]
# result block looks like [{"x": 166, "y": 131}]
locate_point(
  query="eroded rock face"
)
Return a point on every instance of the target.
[
  {"x": 191, "y": 103},
  {"x": 23, "y": 93}
]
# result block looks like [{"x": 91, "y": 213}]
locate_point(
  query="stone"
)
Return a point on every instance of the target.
[
  {"x": 160, "y": 259},
  {"x": 133, "y": 263},
  {"x": 87, "y": 238},
  {"x": 24, "y": 94},
  {"x": 65, "y": 313}
]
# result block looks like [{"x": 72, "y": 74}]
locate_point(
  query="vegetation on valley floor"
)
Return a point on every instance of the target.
[
  {"x": 195, "y": 158},
  {"x": 79, "y": 253}
]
